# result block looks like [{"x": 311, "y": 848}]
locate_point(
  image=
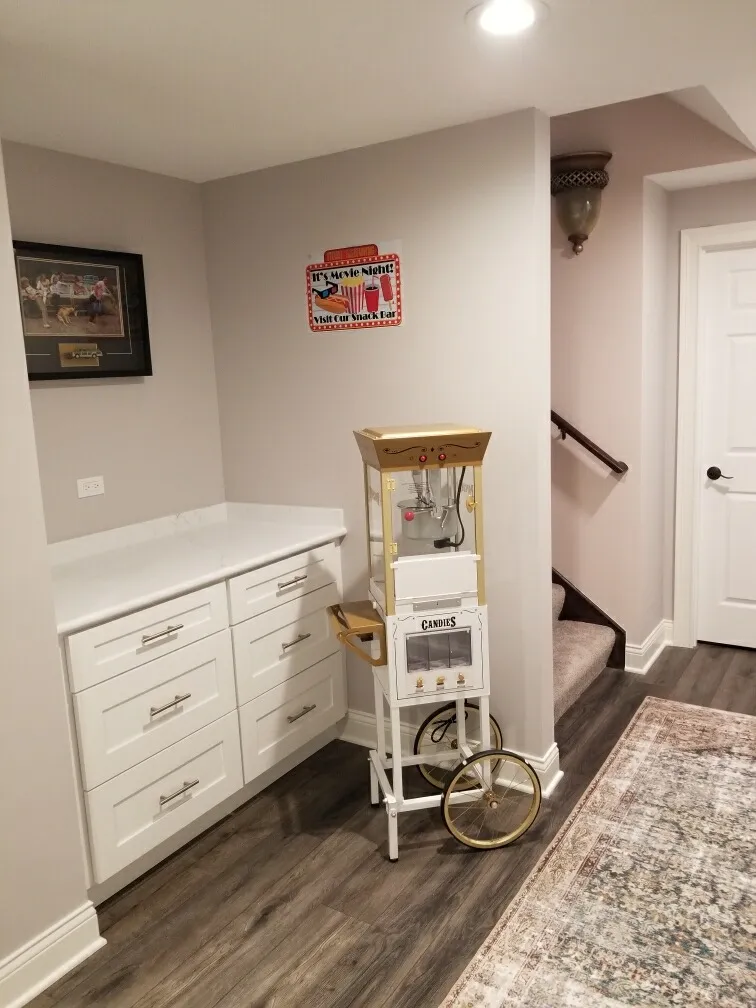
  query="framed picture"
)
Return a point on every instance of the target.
[{"x": 84, "y": 312}]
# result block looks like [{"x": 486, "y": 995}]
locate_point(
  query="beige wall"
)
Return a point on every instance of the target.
[
  {"x": 706, "y": 206},
  {"x": 41, "y": 863},
  {"x": 155, "y": 440},
  {"x": 471, "y": 208},
  {"x": 606, "y": 356}
]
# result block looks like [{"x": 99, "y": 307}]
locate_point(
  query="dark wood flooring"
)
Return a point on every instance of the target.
[{"x": 290, "y": 901}]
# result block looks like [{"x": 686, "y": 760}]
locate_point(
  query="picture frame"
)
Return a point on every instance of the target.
[{"x": 83, "y": 312}]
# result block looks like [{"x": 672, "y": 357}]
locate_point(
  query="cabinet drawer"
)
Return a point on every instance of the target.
[
  {"x": 138, "y": 713},
  {"x": 132, "y": 813},
  {"x": 268, "y": 587},
  {"x": 283, "y": 719},
  {"x": 122, "y": 644},
  {"x": 272, "y": 648}
]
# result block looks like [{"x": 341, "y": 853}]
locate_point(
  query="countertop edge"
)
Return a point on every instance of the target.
[{"x": 69, "y": 627}]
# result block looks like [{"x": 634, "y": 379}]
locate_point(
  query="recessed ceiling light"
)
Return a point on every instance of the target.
[{"x": 506, "y": 17}]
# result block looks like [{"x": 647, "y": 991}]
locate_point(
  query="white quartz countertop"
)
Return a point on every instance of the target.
[{"x": 109, "y": 574}]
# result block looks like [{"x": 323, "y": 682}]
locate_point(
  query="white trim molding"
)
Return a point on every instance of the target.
[
  {"x": 40, "y": 962},
  {"x": 640, "y": 657},
  {"x": 547, "y": 768},
  {"x": 359, "y": 728},
  {"x": 695, "y": 244}
]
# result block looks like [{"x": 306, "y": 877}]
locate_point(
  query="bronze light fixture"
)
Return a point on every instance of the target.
[{"x": 577, "y": 181}]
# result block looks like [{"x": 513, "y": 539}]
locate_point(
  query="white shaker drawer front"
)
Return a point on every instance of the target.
[
  {"x": 283, "y": 719},
  {"x": 132, "y": 813},
  {"x": 105, "y": 651},
  {"x": 268, "y": 587},
  {"x": 277, "y": 645},
  {"x": 137, "y": 714}
]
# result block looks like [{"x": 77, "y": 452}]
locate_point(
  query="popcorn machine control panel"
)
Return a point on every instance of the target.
[{"x": 386, "y": 447}]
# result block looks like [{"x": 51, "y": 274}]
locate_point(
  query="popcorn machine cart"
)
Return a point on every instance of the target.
[{"x": 424, "y": 631}]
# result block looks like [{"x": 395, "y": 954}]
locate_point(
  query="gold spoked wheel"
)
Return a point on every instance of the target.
[
  {"x": 491, "y": 800},
  {"x": 438, "y": 733}
]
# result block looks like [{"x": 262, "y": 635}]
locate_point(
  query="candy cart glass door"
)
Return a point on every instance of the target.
[{"x": 377, "y": 548}]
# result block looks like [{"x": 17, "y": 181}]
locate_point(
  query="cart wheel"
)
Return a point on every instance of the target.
[
  {"x": 505, "y": 805},
  {"x": 439, "y": 732}
]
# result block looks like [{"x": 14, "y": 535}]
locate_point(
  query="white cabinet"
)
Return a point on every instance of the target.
[
  {"x": 140, "y": 808},
  {"x": 286, "y": 717},
  {"x": 274, "y": 585},
  {"x": 133, "y": 716},
  {"x": 111, "y": 648},
  {"x": 167, "y": 698},
  {"x": 276, "y": 645}
]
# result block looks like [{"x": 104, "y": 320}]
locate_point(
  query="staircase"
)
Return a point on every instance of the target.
[{"x": 581, "y": 653}]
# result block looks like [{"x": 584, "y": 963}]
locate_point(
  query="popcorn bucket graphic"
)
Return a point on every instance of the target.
[{"x": 353, "y": 289}]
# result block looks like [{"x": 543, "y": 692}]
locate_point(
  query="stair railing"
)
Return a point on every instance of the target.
[{"x": 566, "y": 429}]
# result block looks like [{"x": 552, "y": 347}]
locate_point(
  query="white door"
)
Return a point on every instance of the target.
[{"x": 727, "y": 545}]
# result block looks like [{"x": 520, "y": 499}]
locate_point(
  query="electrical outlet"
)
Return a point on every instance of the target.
[{"x": 90, "y": 486}]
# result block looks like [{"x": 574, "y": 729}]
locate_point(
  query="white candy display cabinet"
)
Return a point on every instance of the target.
[{"x": 424, "y": 632}]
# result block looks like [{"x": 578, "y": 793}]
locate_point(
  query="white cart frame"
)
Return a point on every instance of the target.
[{"x": 381, "y": 763}]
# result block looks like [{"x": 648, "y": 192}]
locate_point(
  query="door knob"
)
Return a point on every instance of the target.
[{"x": 714, "y": 473}]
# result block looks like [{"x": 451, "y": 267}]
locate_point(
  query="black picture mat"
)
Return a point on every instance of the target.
[{"x": 125, "y": 353}]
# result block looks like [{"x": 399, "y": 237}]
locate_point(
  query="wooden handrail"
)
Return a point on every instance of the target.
[{"x": 566, "y": 428}]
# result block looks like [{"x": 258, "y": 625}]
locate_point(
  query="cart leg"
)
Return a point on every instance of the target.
[
  {"x": 461, "y": 724},
  {"x": 375, "y": 796},
  {"x": 393, "y": 834},
  {"x": 375, "y": 793},
  {"x": 398, "y": 786},
  {"x": 485, "y": 731},
  {"x": 380, "y": 723},
  {"x": 485, "y": 722}
]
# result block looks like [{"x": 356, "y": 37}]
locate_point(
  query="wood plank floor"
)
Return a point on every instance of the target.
[{"x": 291, "y": 902}]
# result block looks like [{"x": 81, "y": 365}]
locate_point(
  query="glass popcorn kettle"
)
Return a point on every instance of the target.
[{"x": 430, "y": 515}]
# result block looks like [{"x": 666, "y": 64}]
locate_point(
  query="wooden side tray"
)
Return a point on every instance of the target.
[{"x": 359, "y": 620}]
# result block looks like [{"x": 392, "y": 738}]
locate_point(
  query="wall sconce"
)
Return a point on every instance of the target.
[{"x": 577, "y": 181}]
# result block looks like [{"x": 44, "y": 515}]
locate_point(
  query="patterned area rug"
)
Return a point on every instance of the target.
[{"x": 646, "y": 896}]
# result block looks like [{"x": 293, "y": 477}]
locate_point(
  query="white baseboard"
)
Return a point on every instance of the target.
[
  {"x": 29, "y": 970},
  {"x": 640, "y": 657},
  {"x": 359, "y": 728},
  {"x": 547, "y": 768}
]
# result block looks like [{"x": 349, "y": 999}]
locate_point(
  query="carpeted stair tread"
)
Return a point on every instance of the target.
[
  {"x": 557, "y": 601},
  {"x": 581, "y": 651}
]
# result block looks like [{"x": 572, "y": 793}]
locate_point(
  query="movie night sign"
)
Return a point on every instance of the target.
[{"x": 349, "y": 291}]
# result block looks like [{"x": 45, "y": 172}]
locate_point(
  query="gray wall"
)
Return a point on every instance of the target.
[
  {"x": 471, "y": 206},
  {"x": 156, "y": 440},
  {"x": 41, "y": 865}
]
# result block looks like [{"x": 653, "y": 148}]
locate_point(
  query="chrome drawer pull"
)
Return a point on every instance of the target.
[
  {"x": 154, "y": 711},
  {"x": 305, "y": 710},
  {"x": 148, "y": 638},
  {"x": 164, "y": 799},
  {"x": 288, "y": 584},
  {"x": 302, "y": 637}
]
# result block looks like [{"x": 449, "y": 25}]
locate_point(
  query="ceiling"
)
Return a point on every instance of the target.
[{"x": 200, "y": 89}]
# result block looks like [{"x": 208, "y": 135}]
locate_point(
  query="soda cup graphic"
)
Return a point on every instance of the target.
[{"x": 372, "y": 296}]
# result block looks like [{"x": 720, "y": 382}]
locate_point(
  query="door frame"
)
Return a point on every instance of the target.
[{"x": 695, "y": 245}]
